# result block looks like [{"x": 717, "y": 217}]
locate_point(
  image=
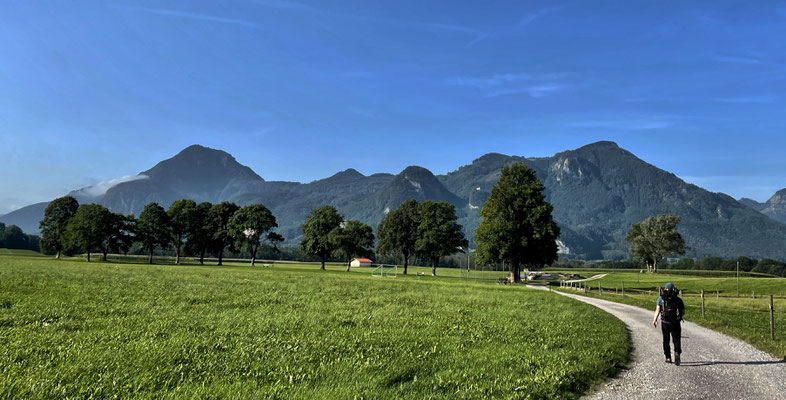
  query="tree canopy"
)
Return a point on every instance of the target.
[
  {"x": 250, "y": 226},
  {"x": 316, "y": 230},
  {"x": 352, "y": 239},
  {"x": 53, "y": 225},
  {"x": 199, "y": 236},
  {"x": 181, "y": 222},
  {"x": 398, "y": 231},
  {"x": 218, "y": 226},
  {"x": 438, "y": 232},
  {"x": 152, "y": 229},
  {"x": 86, "y": 230},
  {"x": 655, "y": 238},
  {"x": 517, "y": 226}
]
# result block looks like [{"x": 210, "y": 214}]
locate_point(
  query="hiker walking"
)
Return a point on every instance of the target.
[{"x": 671, "y": 309}]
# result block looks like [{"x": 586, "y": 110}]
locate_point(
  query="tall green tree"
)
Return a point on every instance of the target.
[
  {"x": 119, "y": 236},
  {"x": 152, "y": 229},
  {"x": 316, "y": 232},
  {"x": 251, "y": 226},
  {"x": 87, "y": 229},
  {"x": 438, "y": 232},
  {"x": 218, "y": 225},
  {"x": 398, "y": 231},
  {"x": 53, "y": 225},
  {"x": 517, "y": 226},
  {"x": 199, "y": 236},
  {"x": 655, "y": 238},
  {"x": 352, "y": 239},
  {"x": 181, "y": 218}
]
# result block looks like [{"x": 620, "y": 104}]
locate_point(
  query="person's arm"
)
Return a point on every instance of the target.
[
  {"x": 682, "y": 309},
  {"x": 655, "y": 317}
]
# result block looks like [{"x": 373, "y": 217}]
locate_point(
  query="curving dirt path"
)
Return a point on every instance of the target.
[{"x": 714, "y": 365}]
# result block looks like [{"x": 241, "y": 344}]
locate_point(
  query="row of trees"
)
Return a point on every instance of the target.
[
  {"x": 12, "y": 237},
  {"x": 428, "y": 230},
  {"x": 186, "y": 227}
]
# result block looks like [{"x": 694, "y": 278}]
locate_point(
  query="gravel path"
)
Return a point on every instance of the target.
[
  {"x": 714, "y": 366},
  {"x": 592, "y": 278}
]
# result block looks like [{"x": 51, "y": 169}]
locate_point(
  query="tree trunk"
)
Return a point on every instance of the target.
[
  {"x": 105, "y": 251},
  {"x": 349, "y": 264},
  {"x": 202, "y": 257},
  {"x": 150, "y": 257},
  {"x": 253, "y": 257},
  {"x": 177, "y": 255},
  {"x": 515, "y": 273},
  {"x": 434, "y": 267},
  {"x": 88, "y": 256},
  {"x": 406, "y": 263},
  {"x": 654, "y": 267},
  {"x": 58, "y": 255},
  {"x": 323, "y": 264},
  {"x": 221, "y": 257}
]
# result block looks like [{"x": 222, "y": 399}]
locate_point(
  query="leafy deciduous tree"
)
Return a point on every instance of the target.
[
  {"x": 152, "y": 229},
  {"x": 250, "y": 226},
  {"x": 86, "y": 230},
  {"x": 316, "y": 230},
  {"x": 438, "y": 232},
  {"x": 350, "y": 239},
  {"x": 218, "y": 226},
  {"x": 199, "y": 236},
  {"x": 53, "y": 225},
  {"x": 181, "y": 218},
  {"x": 119, "y": 235},
  {"x": 655, "y": 238},
  {"x": 517, "y": 226},
  {"x": 398, "y": 231}
]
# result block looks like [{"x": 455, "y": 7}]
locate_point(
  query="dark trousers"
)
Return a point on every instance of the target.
[{"x": 674, "y": 330}]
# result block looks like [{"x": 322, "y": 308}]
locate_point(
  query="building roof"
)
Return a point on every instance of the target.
[{"x": 362, "y": 260}]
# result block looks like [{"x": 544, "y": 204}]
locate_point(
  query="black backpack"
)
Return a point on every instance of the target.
[{"x": 670, "y": 311}]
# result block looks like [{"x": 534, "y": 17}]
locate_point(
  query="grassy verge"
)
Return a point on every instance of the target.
[
  {"x": 73, "y": 329},
  {"x": 743, "y": 318}
]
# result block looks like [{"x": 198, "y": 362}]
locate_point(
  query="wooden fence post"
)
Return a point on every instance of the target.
[
  {"x": 702, "y": 303},
  {"x": 717, "y": 295},
  {"x": 623, "y": 290},
  {"x": 772, "y": 319},
  {"x": 754, "y": 294}
]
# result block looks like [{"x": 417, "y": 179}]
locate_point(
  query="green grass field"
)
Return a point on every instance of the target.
[
  {"x": 745, "y": 318},
  {"x": 693, "y": 284},
  {"x": 23, "y": 253},
  {"x": 73, "y": 329}
]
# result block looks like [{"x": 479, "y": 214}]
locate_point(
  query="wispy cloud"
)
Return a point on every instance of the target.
[
  {"x": 738, "y": 60},
  {"x": 748, "y": 99},
  {"x": 195, "y": 16},
  {"x": 284, "y": 4},
  {"x": 535, "y": 91},
  {"x": 497, "y": 85},
  {"x": 361, "y": 112},
  {"x": 635, "y": 124},
  {"x": 488, "y": 81},
  {"x": 100, "y": 188},
  {"x": 524, "y": 21}
]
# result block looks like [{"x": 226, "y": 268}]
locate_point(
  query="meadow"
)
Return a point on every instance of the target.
[
  {"x": 743, "y": 317},
  {"x": 74, "y": 329}
]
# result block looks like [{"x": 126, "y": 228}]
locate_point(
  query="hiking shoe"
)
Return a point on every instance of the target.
[
  {"x": 668, "y": 360},
  {"x": 677, "y": 359}
]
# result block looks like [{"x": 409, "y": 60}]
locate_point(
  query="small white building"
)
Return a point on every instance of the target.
[{"x": 360, "y": 262}]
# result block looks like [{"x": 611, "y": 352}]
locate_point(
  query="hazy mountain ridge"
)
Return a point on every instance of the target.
[
  {"x": 774, "y": 208},
  {"x": 598, "y": 192}
]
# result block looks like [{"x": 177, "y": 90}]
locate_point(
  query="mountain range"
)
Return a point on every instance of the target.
[{"x": 598, "y": 191}]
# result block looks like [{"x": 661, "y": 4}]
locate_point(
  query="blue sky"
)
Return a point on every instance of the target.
[{"x": 96, "y": 90}]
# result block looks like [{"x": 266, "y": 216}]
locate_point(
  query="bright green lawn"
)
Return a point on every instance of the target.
[
  {"x": 16, "y": 252},
  {"x": 73, "y": 329},
  {"x": 693, "y": 284},
  {"x": 744, "y": 318}
]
